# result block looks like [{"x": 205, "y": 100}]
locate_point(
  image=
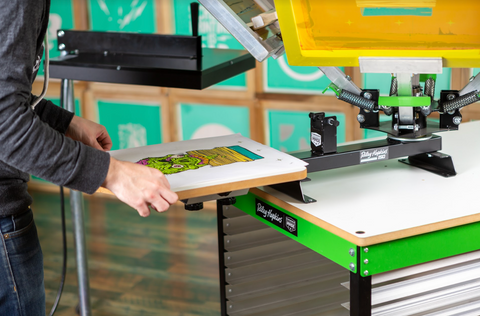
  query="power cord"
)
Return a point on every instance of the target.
[{"x": 64, "y": 268}]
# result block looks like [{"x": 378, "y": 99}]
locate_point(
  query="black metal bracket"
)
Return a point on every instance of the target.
[
  {"x": 435, "y": 162},
  {"x": 293, "y": 189}
]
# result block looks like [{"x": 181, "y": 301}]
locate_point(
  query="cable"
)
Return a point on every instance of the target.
[
  {"x": 64, "y": 268},
  {"x": 46, "y": 74}
]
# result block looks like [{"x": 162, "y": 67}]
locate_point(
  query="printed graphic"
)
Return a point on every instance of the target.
[
  {"x": 196, "y": 159},
  {"x": 123, "y": 15},
  {"x": 372, "y": 155},
  {"x": 276, "y": 217}
]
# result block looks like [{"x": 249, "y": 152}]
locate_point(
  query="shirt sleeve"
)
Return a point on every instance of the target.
[
  {"x": 56, "y": 117},
  {"x": 29, "y": 142}
]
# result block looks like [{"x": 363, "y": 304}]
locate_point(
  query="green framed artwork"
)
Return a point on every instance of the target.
[
  {"x": 382, "y": 82},
  {"x": 204, "y": 120},
  {"x": 131, "y": 124},
  {"x": 279, "y": 76},
  {"x": 61, "y": 17},
  {"x": 122, "y": 15},
  {"x": 214, "y": 35},
  {"x": 290, "y": 130}
]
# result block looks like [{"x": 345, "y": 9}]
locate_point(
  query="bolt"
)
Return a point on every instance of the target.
[
  {"x": 395, "y": 127},
  {"x": 226, "y": 207},
  {"x": 471, "y": 78},
  {"x": 228, "y": 258},
  {"x": 227, "y": 224},
  {"x": 352, "y": 252},
  {"x": 360, "y": 118},
  {"x": 367, "y": 95},
  {"x": 450, "y": 96},
  {"x": 61, "y": 46},
  {"x": 348, "y": 78},
  {"x": 365, "y": 250},
  {"x": 231, "y": 306},
  {"x": 229, "y": 274},
  {"x": 417, "y": 127},
  {"x": 118, "y": 67},
  {"x": 60, "y": 33},
  {"x": 396, "y": 115},
  {"x": 365, "y": 261},
  {"x": 365, "y": 272},
  {"x": 105, "y": 53},
  {"x": 229, "y": 290},
  {"x": 352, "y": 266},
  {"x": 228, "y": 241},
  {"x": 457, "y": 120}
]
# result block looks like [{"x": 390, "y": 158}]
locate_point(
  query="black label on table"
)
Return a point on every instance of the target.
[{"x": 276, "y": 217}]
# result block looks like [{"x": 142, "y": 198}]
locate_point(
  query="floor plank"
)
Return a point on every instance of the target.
[{"x": 166, "y": 264}]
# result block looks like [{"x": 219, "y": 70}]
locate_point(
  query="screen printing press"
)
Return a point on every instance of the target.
[{"x": 364, "y": 234}]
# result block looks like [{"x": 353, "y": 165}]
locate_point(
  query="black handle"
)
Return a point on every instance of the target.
[{"x": 194, "y": 11}]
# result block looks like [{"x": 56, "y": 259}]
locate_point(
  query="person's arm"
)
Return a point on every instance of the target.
[{"x": 31, "y": 145}]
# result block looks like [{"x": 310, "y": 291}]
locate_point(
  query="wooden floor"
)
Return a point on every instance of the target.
[{"x": 165, "y": 264}]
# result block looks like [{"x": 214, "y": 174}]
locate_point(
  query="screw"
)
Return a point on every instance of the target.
[
  {"x": 229, "y": 290},
  {"x": 457, "y": 120},
  {"x": 360, "y": 118},
  {"x": 396, "y": 115},
  {"x": 367, "y": 95},
  {"x": 227, "y": 224},
  {"x": 365, "y": 261},
  {"x": 450, "y": 96},
  {"x": 365, "y": 250},
  {"x": 105, "y": 53},
  {"x": 61, "y": 46},
  {"x": 352, "y": 252},
  {"x": 395, "y": 127},
  {"x": 60, "y": 33},
  {"x": 365, "y": 272},
  {"x": 228, "y": 241},
  {"x": 226, "y": 207},
  {"x": 348, "y": 78},
  {"x": 228, "y": 258},
  {"x": 471, "y": 78},
  {"x": 231, "y": 306},
  {"x": 229, "y": 274},
  {"x": 352, "y": 266},
  {"x": 417, "y": 127},
  {"x": 118, "y": 67}
]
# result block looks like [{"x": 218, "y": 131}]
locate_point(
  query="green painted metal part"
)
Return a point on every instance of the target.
[
  {"x": 316, "y": 238},
  {"x": 425, "y": 77},
  {"x": 423, "y": 248},
  {"x": 404, "y": 101}
]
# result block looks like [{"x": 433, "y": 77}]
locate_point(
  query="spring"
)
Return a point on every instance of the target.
[
  {"x": 394, "y": 86},
  {"x": 430, "y": 87},
  {"x": 357, "y": 100},
  {"x": 460, "y": 102}
]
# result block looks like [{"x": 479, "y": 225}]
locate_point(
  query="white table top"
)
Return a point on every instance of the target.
[{"x": 389, "y": 200}]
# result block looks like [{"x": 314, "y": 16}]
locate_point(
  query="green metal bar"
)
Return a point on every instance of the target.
[
  {"x": 316, "y": 238},
  {"x": 414, "y": 250},
  {"x": 404, "y": 101}
]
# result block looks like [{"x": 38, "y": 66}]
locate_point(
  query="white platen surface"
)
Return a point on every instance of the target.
[
  {"x": 273, "y": 163},
  {"x": 390, "y": 197}
]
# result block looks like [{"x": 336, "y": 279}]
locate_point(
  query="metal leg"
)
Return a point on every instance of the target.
[
  {"x": 221, "y": 261},
  {"x": 76, "y": 204},
  {"x": 360, "y": 293}
]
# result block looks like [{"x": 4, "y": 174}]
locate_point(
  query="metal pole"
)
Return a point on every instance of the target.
[{"x": 76, "y": 204}]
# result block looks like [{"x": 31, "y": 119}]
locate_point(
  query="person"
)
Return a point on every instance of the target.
[{"x": 55, "y": 145}]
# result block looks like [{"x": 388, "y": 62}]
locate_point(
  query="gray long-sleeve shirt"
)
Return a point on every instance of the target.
[{"x": 33, "y": 142}]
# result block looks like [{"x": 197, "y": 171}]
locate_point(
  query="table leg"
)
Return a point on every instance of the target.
[
  {"x": 360, "y": 295},
  {"x": 76, "y": 203}
]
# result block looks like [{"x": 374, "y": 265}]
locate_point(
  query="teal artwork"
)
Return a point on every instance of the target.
[
  {"x": 214, "y": 35},
  {"x": 201, "y": 120},
  {"x": 61, "y": 17},
  {"x": 131, "y": 125},
  {"x": 122, "y": 15},
  {"x": 279, "y": 76},
  {"x": 290, "y": 130},
  {"x": 476, "y": 71},
  {"x": 383, "y": 81},
  {"x": 195, "y": 159},
  {"x": 396, "y": 11}
]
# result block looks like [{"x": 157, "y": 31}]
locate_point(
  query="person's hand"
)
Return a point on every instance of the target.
[
  {"x": 139, "y": 186},
  {"x": 89, "y": 133}
]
